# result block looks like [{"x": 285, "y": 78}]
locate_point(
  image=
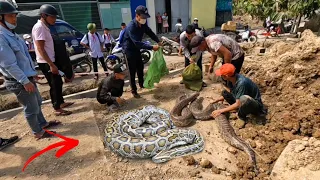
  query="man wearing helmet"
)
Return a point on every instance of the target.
[
  {"x": 94, "y": 42},
  {"x": 18, "y": 70},
  {"x": 46, "y": 57}
]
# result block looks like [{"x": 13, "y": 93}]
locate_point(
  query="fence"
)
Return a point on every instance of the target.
[{"x": 77, "y": 13}]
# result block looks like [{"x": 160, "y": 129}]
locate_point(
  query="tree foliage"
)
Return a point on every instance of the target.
[{"x": 273, "y": 8}]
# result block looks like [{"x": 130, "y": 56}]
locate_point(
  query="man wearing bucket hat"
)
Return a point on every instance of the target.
[
  {"x": 131, "y": 43},
  {"x": 94, "y": 42},
  {"x": 19, "y": 72},
  {"x": 244, "y": 95},
  {"x": 46, "y": 57},
  {"x": 111, "y": 88}
]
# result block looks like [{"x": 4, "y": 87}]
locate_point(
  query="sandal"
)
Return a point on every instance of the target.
[
  {"x": 64, "y": 105},
  {"x": 45, "y": 135},
  {"x": 63, "y": 113},
  {"x": 51, "y": 124}
]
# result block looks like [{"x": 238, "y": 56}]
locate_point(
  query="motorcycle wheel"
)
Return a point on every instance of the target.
[
  {"x": 118, "y": 60},
  {"x": 83, "y": 67},
  {"x": 147, "y": 53},
  {"x": 167, "y": 49},
  {"x": 145, "y": 58},
  {"x": 253, "y": 39}
]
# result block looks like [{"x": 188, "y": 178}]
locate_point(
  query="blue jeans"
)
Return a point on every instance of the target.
[{"x": 31, "y": 103}]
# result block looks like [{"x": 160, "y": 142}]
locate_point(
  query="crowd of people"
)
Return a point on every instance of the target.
[{"x": 19, "y": 72}]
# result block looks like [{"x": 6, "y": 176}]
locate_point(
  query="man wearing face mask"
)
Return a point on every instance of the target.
[
  {"x": 131, "y": 43},
  {"x": 44, "y": 48},
  {"x": 18, "y": 70}
]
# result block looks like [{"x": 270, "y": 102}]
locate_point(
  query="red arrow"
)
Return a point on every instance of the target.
[{"x": 67, "y": 144}]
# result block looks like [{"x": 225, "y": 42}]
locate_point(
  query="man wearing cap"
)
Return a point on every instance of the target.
[
  {"x": 191, "y": 54},
  {"x": 46, "y": 57},
  {"x": 131, "y": 43},
  {"x": 244, "y": 95},
  {"x": 220, "y": 45},
  {"x": 195, "y": 23},
  {"x": 18, "y": 70},
  {"x": 111, "y": 88}
]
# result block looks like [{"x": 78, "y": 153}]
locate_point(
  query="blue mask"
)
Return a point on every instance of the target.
[{"x": 10, "y": 26}]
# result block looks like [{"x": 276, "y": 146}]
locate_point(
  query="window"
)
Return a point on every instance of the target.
[{"x": 64, "y": 31}]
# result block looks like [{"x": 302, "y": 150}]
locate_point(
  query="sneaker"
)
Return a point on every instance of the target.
[
  {"x": 6, "y": 142},
  {"x": 136, "y": 95}
]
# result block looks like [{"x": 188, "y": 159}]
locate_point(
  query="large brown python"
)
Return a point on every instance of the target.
[
  {"x": 224, "y": 126},
  {"x": 183, "y": 119}
]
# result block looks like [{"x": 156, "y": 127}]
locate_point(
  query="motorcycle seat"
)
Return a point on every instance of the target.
[{"x": 77, "y": 57}]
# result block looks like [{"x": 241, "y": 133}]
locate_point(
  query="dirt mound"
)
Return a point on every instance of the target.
[{"x": 289, "y": 81}]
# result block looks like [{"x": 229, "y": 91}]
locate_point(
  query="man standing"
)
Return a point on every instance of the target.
[
  {"x": 196, "y": 23},
  {"x": 107, "y": 39},
  {"x": 244, "y": 95},
  {"x": 196, "y": 56},
  {"x": 123, "y": 26},
  {"x": 93, "y": 41},
  {"x": 220, "y": 45},
  {"x": 131, "y": 43},
  {"x": 18, "y": 70},
  {"x": 46, "y": 57},
  {"x": 111, "y": 89}
]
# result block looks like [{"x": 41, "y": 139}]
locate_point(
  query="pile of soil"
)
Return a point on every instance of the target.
[{"x": 288, "y": 77}]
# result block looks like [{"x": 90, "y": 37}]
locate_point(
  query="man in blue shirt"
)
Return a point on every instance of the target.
[
  {"x": 131, "y": 43},
  {"x": 18, "y": 70},
  {"x": 244, "y": 95}
]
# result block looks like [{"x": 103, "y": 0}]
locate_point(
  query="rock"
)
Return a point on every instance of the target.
[
  {"x": 215, "y": 170},
  {"x": 240, "y": 123},
  {"x": 228, "y": 174},
  {"x": 205, "y": 163},
  {"x": 199, "y": 176},
  {"x": 208, "y": 133},
  {"x": 194, "y": 173},
  {"x": 232, "y": 150},
  {"x": 147, "y": 178},
  {"x": 316, "y": 134},
  {"x": 299, "y": 148},
  {"x": 189, "y": 160},
  {"x": 222, "y": 168}
]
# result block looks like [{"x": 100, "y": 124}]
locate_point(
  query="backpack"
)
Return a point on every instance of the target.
[{"x": 87, "y": 36}]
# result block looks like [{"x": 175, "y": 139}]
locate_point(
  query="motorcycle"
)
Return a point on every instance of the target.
[
  {"x": 247, "y": 36},
  {"x": 117, "y": 55},
  {"x": 170, "y": 46}
]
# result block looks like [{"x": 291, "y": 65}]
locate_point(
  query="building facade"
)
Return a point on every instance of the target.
[{"x": 187, "y": 10}]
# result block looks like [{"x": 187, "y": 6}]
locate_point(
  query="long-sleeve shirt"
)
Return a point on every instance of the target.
[
  {"x": 110, "y": 89},
  {"x": 132, "y": 39},
  {"x": 15, "y": 60},
  {"x": 185, "y": 42}
]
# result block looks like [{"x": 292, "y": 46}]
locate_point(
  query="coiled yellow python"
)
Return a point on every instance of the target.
[{"x": 150, "y": 133}]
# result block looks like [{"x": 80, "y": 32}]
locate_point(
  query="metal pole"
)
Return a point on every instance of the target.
[{"x": 62, "y": 14}]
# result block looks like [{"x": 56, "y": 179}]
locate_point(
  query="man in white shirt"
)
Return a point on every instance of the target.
[
  {"x": 107, "y": 39},
  {"x": 46, "y": 57},
  {"x": 94, "y": 42}
]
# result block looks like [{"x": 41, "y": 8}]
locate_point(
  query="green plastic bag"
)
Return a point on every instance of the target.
[
  {"x": 192, "y": 77},
  {"x": 157, "y": 69}
]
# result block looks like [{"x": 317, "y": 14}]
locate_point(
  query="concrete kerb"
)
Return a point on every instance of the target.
[{"x": 5, "y": 115}]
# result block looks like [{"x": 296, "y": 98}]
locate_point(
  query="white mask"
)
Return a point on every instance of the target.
[
  {"x": 142, "y": 21},
  {"x": 10, "y": 26}
]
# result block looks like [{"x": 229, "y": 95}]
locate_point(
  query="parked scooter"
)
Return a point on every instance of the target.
[
  {"x": 246, "y": 36},
  {"x": 169, "y": 45},
  {"x": 118, "y": 55}
]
